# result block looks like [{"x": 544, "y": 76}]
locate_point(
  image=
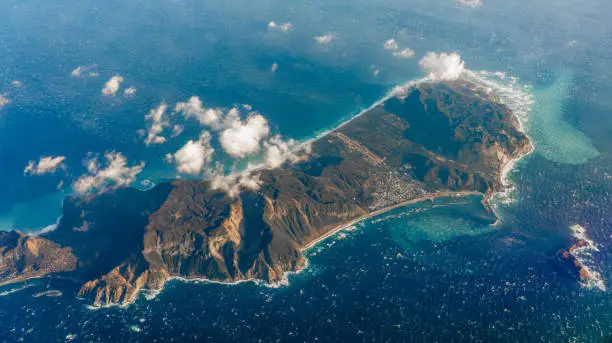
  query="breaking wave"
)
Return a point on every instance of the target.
[
  {"x": 511, "y": 93},
  {"x": 540, "y": 111},
  {"x": 585, "y": 255},
  {"x": 15, "y": 289},
  {"x": 520, "y": 100}
]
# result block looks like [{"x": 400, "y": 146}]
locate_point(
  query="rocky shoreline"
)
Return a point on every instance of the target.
[
  {"x": 573, "y": 260},
  {"x": 432, "y": 140}
]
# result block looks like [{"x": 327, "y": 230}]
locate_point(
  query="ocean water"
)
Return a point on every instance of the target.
[
  {"x": 554, "y": 138},
  {"x": 425, "y": 273}
]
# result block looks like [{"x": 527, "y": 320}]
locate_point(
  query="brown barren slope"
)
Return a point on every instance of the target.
[{"x": 441, "y": 139}]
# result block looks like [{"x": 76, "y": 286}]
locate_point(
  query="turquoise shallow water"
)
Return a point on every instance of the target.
[
  {"x": 419, "y": 274},
  {"x": 554, "y": 138},
  {"x": 35, "y": 214}
]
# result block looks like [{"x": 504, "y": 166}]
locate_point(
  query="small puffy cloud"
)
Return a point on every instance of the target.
[
  {"x": 194, "y": 108},
  {"x": 84, "y": 71},
  {"x": 324, "y": 39},
  {"x": 278, "y": 151},
  {"x": 129, "y": 92},
  {"x": 274, "y": 67},
  {"x": 242, "y": 138},
  {"x": 116, "y": 174},
  {"x": 250, "y": 181},
  {"x": 391, "y": 45},
  {"x": 405, "y": 53},
  {"x": 233, "y": 184},
  {"x": 401, "y": 92},
  {"x": 3, "y": 101},
  {"x": 157, "y": 123},
  {"x": 77, "y": 71},
  {"x": 112, "y": 85},
  {"x": 177, "y": 129},
  {"x": 193, "y": 156},
  {"x": 470, "y": 3},
  {"x": 286, "y": 27},
  {"x": 442, "y": 67},
  {"x": 46, "y": 165}
]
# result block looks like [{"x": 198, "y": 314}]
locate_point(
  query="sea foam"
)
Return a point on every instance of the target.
[
  {"x": 519, "y": 99},
  {"x": 512, "y": 94},
  {"x": 585, "y": 255},
  {"x": 15, "y": 289}
]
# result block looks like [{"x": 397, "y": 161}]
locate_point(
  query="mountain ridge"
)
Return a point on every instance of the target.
[{"x": 451, "y": 138}]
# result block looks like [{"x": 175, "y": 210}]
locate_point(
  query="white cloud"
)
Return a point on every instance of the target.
[
  {"x": 277, "y": 151},
  {"x": 193, "y": 156},
  {"x": 194, "y": 108},
  {"x": 286, "y": 27},
  {"x": 324, "y": 39},
  {"x": 177, "y": 129},
  {"x": 443, "y": 67},
  {"x": 232, "y": 184},
  {"x": 250, "y": 181},
  {"x": 77, "y": 71},
  {"x": 405, "y": 53},
  {"x": 470, "y": 3},
  {"x": 401, "y": 92},
  {"x": 157, "y": 123},
  {"x": 45, "y": 165},
  {"x": 391, "y": 45},
  {"x": 84, "y": 71},
  {"x": 3, "y": 101},
  {"x": 274, "y": 67},
  {"x": 239, "y": 138},
  {"x": 115, "y": 174},
  {"x": 112, "y": 85},
  {"x": 129, "y": 92}
]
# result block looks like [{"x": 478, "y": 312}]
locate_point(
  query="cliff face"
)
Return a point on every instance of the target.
[
  {"x": 575, "y": 268},
  {"x": 439, "y": 138},
  {"x": 23, "y": 257}
]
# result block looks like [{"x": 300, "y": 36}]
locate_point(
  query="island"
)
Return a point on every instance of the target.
[
  {"x": 575, "y": 268},
  {"x": 434, "y": 139}
]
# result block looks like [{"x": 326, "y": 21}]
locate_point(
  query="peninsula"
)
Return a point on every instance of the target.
[{"x": 436, "y": 139}]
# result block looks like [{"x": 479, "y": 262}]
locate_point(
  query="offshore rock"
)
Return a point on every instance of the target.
[{"x": 575, "y": 267}]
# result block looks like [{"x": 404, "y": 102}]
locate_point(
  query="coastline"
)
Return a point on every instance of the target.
[
  {"x": 323, "y": 133},
  {"x": 391, "y": 93},
  {"x": 430, "y": 197},
  {"x": 510, "y": 93},
  {"x": 153, "y": 293},
  {"x": 504, "y": 170}
]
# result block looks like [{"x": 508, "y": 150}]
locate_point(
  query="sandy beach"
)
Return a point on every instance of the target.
[{"x": 430, "y": 197}]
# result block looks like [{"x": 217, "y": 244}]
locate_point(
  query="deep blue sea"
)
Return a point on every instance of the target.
[{"x": 424, "y": 273}]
